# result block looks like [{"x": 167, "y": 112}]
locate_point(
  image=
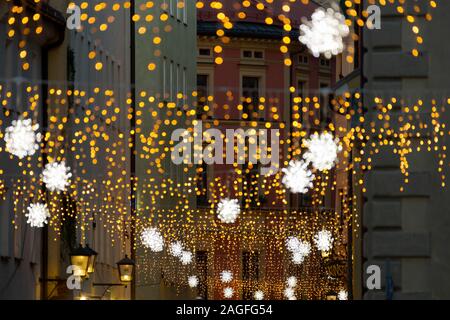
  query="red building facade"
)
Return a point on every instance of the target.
[{"x": 253, "y": 76}]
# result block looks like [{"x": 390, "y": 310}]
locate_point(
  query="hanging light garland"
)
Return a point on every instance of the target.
[{"x": 109, "y": 196}]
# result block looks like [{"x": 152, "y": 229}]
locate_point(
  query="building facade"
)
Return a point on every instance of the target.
[
  {"x": 406, "y": 229},
  {"x": 164, "y": 81},
  {"x": 243, "y": 83},
  {"x": 52, "y": 77}
]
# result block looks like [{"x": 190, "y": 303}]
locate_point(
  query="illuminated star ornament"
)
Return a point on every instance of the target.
[
  {"x": 56, "y": 176},
  {"x": 186, "y": 258},
  {"x": 193, "y": 281},
  {"x": 292, "y": 243},
  {"x": 37, "y": 215},
  {"x": 343, "y": 295},
  {"x": 21, "y": 138},
  {"x": 152, "y": 239},
  {"x": 299, "y": 249},
  {"x": 228, "y": 292},
  {"x": 297, "y": 177},
  {"x": 228, "y": 210},
  {"x": 291, "y": 282},
  {"x": 176, "y": 249},
  {"x": 258, "y": 295},
  {"x": 324, "y": 33},
  {"x": 323, "y": 240},
  {"x": 322, "y": 151},
  {"x": 289, "y": 293},
  {"x": 226, "y": 276}
]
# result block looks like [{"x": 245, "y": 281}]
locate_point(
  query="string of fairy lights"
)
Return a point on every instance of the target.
[
  {"x": 148, "y": 12},
  {"x": 86, "y": 146}
]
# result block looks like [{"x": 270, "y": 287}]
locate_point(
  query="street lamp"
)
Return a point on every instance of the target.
[
  {"x": 126, "y": 268},
  {"x": 80, "y": 258},
  {"x": 92, "y": 259}
]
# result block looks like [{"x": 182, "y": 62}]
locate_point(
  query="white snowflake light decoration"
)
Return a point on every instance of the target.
[
  {"x": 325, "y": 32},
  {"x": 56, "y": 176},
  {"x": 298, "y": 258},
  {"x": 343, "y": 295},
  {"x": 324, "y": 240},
  {"x": 304, "y": 248},
  {"x": 21, "y": 138},
  {"x": 299, "y": 249},
  {"x": 186, "y": 258},
  {"x": 176, "y": 249},
  {"x": 322, "y": 151},
  {"x": 151, "y": 238},
  {"x": 258, "y": 295},
  {"x": 291, "y": 282},
  {"x": 297, "y": 177},
  {"x": 228, "y": 292},
  {"x": 193, "y": 281},
  {"x": 228, "y": 210},
  {"x": 37, "y": 215},
  {"x": 226, "y": 276},
  {"x": 289, "y": 293},
  {"x": 292, "y": 243}
]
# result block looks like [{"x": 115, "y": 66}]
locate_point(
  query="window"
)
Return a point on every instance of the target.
[
  {"x": 324, "y": 88},
  {"x": 247, "y": 54},
  {"x": 250, "y": 93},
  {"x": 202, "y": 170},
  {"x": 164, "y": 78},
  {"x": 204, "y": 52},
  {"x": 184, "y": 87},
  {"x": 301, "y": 87},
  {"x": 181, "y": 11},
  {"x": 178, "y": 84},
  {"x": 171, "y": 81},
  {"x": 202, "y": 273},
  {"x": 251, "y": 179},
  {"x": 305, "y": 200},
  {"x": 171, "y": 7},
  {"x": 250, "y": 273},
  {"x": 341, "y": 203},
  {"x": 202, "y": 184},
  {"x": 325, "y": 63},
  {"x": 258, "y": 54},
  {"x": 303, "y": 59},
  {"x": 6, "y": 213},
  {"x": 301, "y": 92},
  {"x": 185, "y": 12},
  {"x": 253, "y": 54},
  {"x": 202, "y": 93}
]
